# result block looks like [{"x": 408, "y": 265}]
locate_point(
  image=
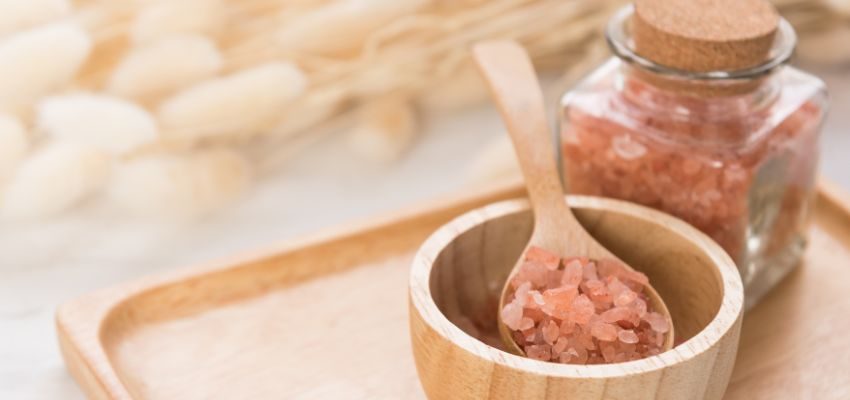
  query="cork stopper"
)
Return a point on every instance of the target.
[{"x": 704, "y": 35}]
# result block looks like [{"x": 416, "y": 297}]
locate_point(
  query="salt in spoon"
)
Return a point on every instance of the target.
[{"x": 516, "y": 91}]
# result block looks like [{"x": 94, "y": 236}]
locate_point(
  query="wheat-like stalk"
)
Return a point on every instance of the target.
[{"x": 168, "y": 82}]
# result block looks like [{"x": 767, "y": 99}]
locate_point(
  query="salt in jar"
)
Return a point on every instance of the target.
[{"x": 698, "y": 115}]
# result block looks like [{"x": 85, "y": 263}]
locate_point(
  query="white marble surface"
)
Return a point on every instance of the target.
[{"x": 44, "y": 265}]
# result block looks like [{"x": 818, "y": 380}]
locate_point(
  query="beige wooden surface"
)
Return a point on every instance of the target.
[{"x": 327, "y": 317}]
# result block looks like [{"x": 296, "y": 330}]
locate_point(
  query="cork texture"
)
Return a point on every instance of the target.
[{"x": 705, "y": 35}]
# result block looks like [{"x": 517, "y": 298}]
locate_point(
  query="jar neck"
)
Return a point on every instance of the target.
[{"x": 697, "y": 100}]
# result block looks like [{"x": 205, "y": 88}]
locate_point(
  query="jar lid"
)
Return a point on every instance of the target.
[{"x": 705, "y": 35}]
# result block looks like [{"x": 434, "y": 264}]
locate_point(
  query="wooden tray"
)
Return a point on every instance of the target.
[{"x": 326, "y": 318}]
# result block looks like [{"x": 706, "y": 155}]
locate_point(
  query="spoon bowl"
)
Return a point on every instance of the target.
[{"x": 508, "y": 72}]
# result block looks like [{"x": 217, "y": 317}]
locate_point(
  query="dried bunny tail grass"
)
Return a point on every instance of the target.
[
  {"x": 343, "y": 25},
  {"x": 165, "y": 66},
  {"x": 54, "y": 179},
  {"x": 14, "y": 145},
  {"x": 310, "y": 110},
  {"x": 179, "y": 184},
  {"x": 161, "y": 19},
  {"x": 272, "y": 151},
  {"x": 34, "y": 62},
  {"x": 16, "y": 15},
  {"x": 402, "y": 54},
  {"x": 239, "y": 104},
  {"x": 457, "y": 91},
  {"x": 385, "y": 128},
  {"x": 108, "y": 123}
]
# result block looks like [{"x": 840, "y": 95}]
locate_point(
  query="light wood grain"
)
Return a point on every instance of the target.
[{"x": 113, "y": 357}]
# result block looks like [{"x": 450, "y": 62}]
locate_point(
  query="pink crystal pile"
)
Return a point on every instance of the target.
[{"x": 580, "y": 311}]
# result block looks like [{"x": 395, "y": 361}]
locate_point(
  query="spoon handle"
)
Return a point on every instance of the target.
[{"x": 513, "y": 83}]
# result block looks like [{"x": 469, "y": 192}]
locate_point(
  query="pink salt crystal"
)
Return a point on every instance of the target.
[
  {"x": 625, "y": 298},
  {"x": 657, "y": 322},
  {"x": 577, "y": 353},
  {"x": 691, "y": 166},
  {"x": 582, "y": 310},
  {"x": 567, "y": 327},
  {"x": 638, "y": 277},
  {"x": 607, "y": 267},
  {"x": 561, "y": 345},
  {"x": 627, "y": 336},
  {"x": 531, "y": 335},
  {"x": 579, "y": 311},
  {"x": 582, "y": 355},
  {"x": 582, "y": 260},
  {"x": 512, "y": 315},
  {"x": 595, "y": 359},
  {"x": 594, "y": 287},
  {"x": 542, "y": 352},
  {"x": 521, "y": 294},
  {"x": 612, "y": 268},
  {"x": 603, "y": 331},
  {"x": 632, "y": 321},
  {"x": 640, "y": 307},
  {"x": 551, "y": 332},
  {"x": 627, "y": 348},
  {"x": 519, "y": 338},
  {"x": 569, "y": 355},
  {"x": 533, "y": 272},
  {"x": 659, "y": 339},
  {"x": 536, "y": 298},
  {"x": 643, "y": 336},
  {"x": 626, "y": 148},
  {"x": 548, "y": 259},
  {"x": 553, "y": 279},
  {"x": 629, "y": 323},
  {"x": 598, "y": 293},
  {"x": 616, "y": 286},
  {"x": 573, "y": 272},
  {"x": 589, "y": 271},
  {"x": 618, "y": 314},
  {"x": 559, "y": 301},
  {"x": 584, "y": 338},
  {"x": 608, "y": 352},
  {"x": 535, "y": 314}
]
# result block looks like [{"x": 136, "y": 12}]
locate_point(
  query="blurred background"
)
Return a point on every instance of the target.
[{"x": 139, "y": 136}]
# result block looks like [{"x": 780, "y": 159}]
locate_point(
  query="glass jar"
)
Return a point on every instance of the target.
[{"x": 733, "y": 152}]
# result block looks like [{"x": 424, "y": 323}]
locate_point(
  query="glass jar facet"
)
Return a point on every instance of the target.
[{"x": 739, "y": 167}]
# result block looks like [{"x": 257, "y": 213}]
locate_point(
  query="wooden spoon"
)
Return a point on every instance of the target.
[{"x": 513, "y": 84}]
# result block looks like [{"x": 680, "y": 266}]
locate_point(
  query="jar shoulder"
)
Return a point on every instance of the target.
[{"x": 599, "y": 99}]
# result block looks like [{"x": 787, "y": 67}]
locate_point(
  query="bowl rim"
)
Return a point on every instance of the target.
[{"x": 730, "y": 311}]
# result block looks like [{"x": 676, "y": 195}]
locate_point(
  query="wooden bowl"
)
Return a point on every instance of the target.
[{"x": 459, "y": 271}]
